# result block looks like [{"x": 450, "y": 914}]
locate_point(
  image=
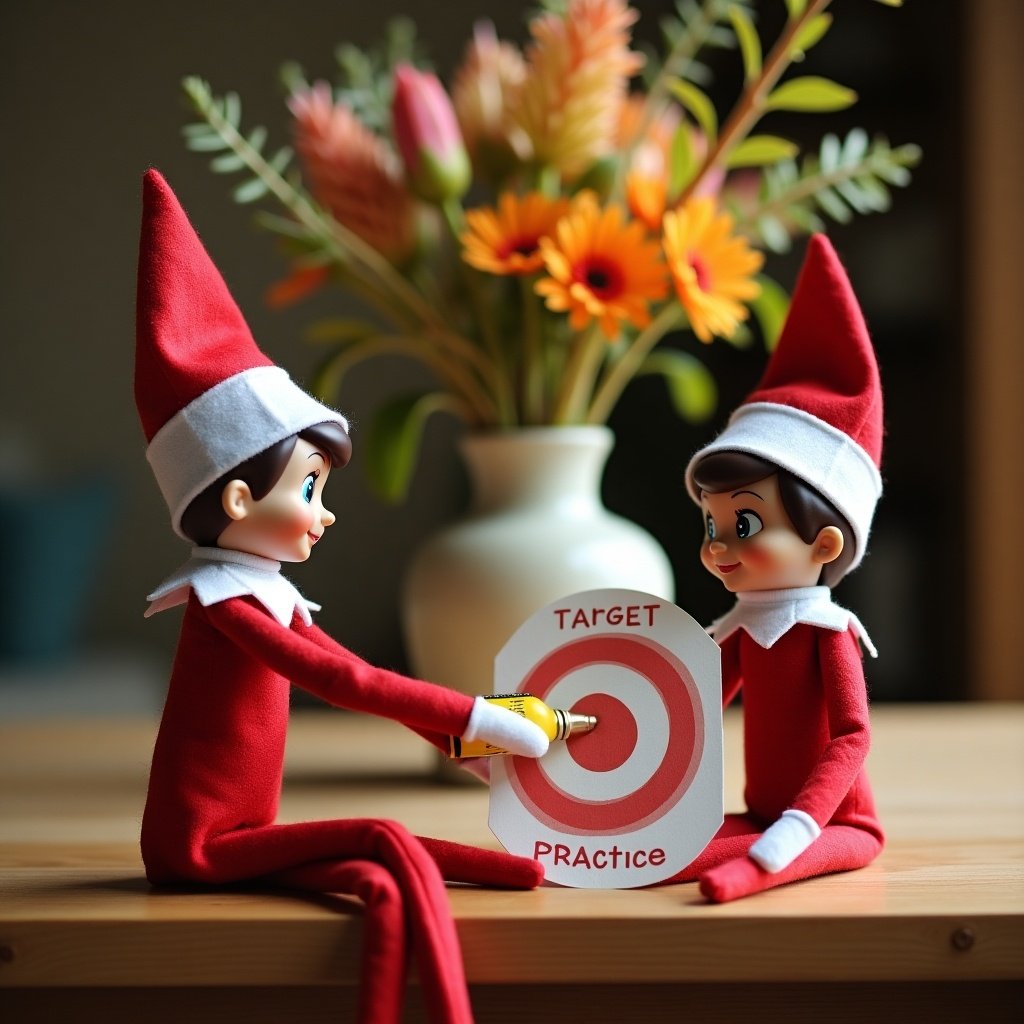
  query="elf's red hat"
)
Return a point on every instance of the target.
[
  {"x": 817, "y": 410},
  {"x": 207, "y": 397}
]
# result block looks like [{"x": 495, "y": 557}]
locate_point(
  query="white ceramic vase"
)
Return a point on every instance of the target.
[{"x": 536, "y": 531}]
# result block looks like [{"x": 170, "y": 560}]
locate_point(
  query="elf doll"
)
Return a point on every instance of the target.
[
  {"x": 787, "y": 492},
  {"x": 241, "y": 455}
]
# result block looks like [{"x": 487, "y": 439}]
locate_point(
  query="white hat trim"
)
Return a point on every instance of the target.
[
  {"x": 815, "y": 451},
  {"x": 231, "y": 422}
]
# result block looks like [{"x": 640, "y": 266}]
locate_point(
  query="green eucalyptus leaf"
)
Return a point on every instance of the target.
[
  {"x": 750, "y": 43},
  {"x": 191, "y": 131},
  {"x": 232, "y": 109},
  {"x": 699, "y": 104},
  {"x": 249, "y": 191},
  {"x": 691, "y": 386},
  {"x": 770, "y": 309},
  {"x": 206, "y": 143},
  {"x": 758, "y": 150},
  {"x": 280, "y": 160},
  {"x": 394, "y": 438},
  {"x": 830, "y": 202},
  {"x": 682, "y": 164},
  {"x": 257, "y": 137},
  {"x": 855, "y": 146},
  {"x": 228, "y": 163},
  {"x": 196, "y": 88},
  {"x": 830, "y": 153},
  {"x": 795, "y": 8},
  {"x": 810, "y": 94},
  {"x": 774, "y": 233},
  {"x": 721, "y": 37},
  {"x": 877, "y": 193},
  {"x": 810, "y": 34},
  {"x": 894, "y": 174},
  {"x": 805, "y": 219}
]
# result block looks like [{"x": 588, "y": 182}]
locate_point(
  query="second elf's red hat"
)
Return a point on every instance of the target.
[
  {"x": 208, "y": 398},
  {"x": 817, "y": 410}
]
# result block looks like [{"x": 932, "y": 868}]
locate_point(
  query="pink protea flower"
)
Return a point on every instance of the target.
[
  {"x": 428, "y": 137},
  {"x": 578, "y": 74},
  {"x": 353, "y": 173},
  {"x": 485, "y": 92}
]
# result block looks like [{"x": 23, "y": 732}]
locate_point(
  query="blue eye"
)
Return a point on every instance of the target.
[
  {"x": 747, "y": 523},
  {"x": 710, "y": 526},
  {"x": 307, "y": 487}
]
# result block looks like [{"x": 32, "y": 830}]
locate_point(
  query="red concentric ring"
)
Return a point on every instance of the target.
[{"x": 675, "y": 686}]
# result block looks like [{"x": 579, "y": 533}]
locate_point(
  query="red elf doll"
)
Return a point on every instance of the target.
[
  {"x": 788, "y": 491},
  {"x": 241, "y": 455}
]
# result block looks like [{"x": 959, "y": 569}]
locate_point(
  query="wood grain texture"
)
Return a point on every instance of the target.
[{"x": 944, "y": 903}]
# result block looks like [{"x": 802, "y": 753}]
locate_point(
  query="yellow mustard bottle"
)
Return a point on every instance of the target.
[{"x": 556, "y": 723}]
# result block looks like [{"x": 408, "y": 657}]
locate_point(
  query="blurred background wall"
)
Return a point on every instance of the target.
[{"x": 91, "y": 98}]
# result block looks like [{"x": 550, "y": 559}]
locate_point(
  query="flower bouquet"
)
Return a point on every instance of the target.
[{"x": 532, "y": 234}]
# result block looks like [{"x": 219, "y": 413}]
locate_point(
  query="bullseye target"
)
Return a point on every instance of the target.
[{"x": 634, "y": 801}]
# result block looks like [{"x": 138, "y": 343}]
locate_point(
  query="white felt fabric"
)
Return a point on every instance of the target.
[
  {"x": 506, "y": 729},
  {"x": 784, "y": 840},
  {"x": 217, "y": 574},
  {"x": 768, "y": 615},
  {"x": 815, "y": 451},
  {"x": 233, "y": 421}
]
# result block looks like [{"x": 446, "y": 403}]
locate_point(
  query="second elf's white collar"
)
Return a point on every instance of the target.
[
  {"x": 767, "y": 615},
  {"x": 217, "y": 574}
]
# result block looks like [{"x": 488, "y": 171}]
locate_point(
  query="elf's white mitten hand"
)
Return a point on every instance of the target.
[
  {"x": 784, "y": 841},
  {"x": 506, "y": 729}
]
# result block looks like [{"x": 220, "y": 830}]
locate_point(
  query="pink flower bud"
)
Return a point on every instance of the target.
[{"x": 428, "y": 138}]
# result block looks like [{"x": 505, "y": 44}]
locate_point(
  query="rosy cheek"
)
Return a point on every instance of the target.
[
  {"x": 295, "y": 521},
  {"x": 758, "y": 556}
]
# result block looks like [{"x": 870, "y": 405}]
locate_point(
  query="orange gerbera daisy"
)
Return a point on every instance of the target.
[
  {"x": 601, "y": 268},
  {"x": 506, "y": 240},
  {"x": 712, "y": 268}
]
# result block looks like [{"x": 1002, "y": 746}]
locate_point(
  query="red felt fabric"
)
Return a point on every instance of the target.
[
  {"x": 216, "y": 777},
  {"x": 806, "y": 738},
  {"x": 824, "y": 363},
  {"x": 190, "y": 333}
]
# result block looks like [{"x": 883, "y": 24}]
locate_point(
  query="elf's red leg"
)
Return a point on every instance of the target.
[
  {"x": 267, "y": 850},
  {"x": 838, "y": 848},
  {"x": 732, "y": 840},
  {"x": 460, "y": 863},
  {"x": 384, "y": 968}
]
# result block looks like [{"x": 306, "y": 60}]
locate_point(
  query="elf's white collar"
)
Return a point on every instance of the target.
[
  {"x": 217, "y": 574},
  {"x": 767, "y": 615}
]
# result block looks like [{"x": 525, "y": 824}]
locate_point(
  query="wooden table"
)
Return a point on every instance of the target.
[{"x": 934, "y": 930}]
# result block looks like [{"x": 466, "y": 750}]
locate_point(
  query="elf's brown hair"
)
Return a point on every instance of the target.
[
  {"x": 808, "y": 511},
  {"x": 205, "y": 519}
]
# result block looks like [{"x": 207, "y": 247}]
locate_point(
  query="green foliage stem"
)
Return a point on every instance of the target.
[{"x": 753, "y": 101}]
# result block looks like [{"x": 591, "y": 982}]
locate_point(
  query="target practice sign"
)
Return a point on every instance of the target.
[{"x": 634, "y": 801}]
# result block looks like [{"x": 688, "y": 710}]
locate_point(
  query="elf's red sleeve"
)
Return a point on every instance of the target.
[
  {"x": 325, "y": 640},
  {"x": 837, "y": 777},
  {"x": 330, "y": 672}
]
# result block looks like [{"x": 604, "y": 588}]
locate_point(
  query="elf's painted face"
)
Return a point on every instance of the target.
[
  {"x": 290, "y": 518},
  {"x": 750, "y": 543}
]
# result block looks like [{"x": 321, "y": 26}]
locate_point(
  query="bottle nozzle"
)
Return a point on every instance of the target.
[{"x": 572, "y": 724}]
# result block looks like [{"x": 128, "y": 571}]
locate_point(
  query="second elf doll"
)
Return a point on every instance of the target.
[{"x": 787, "y": 493}]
